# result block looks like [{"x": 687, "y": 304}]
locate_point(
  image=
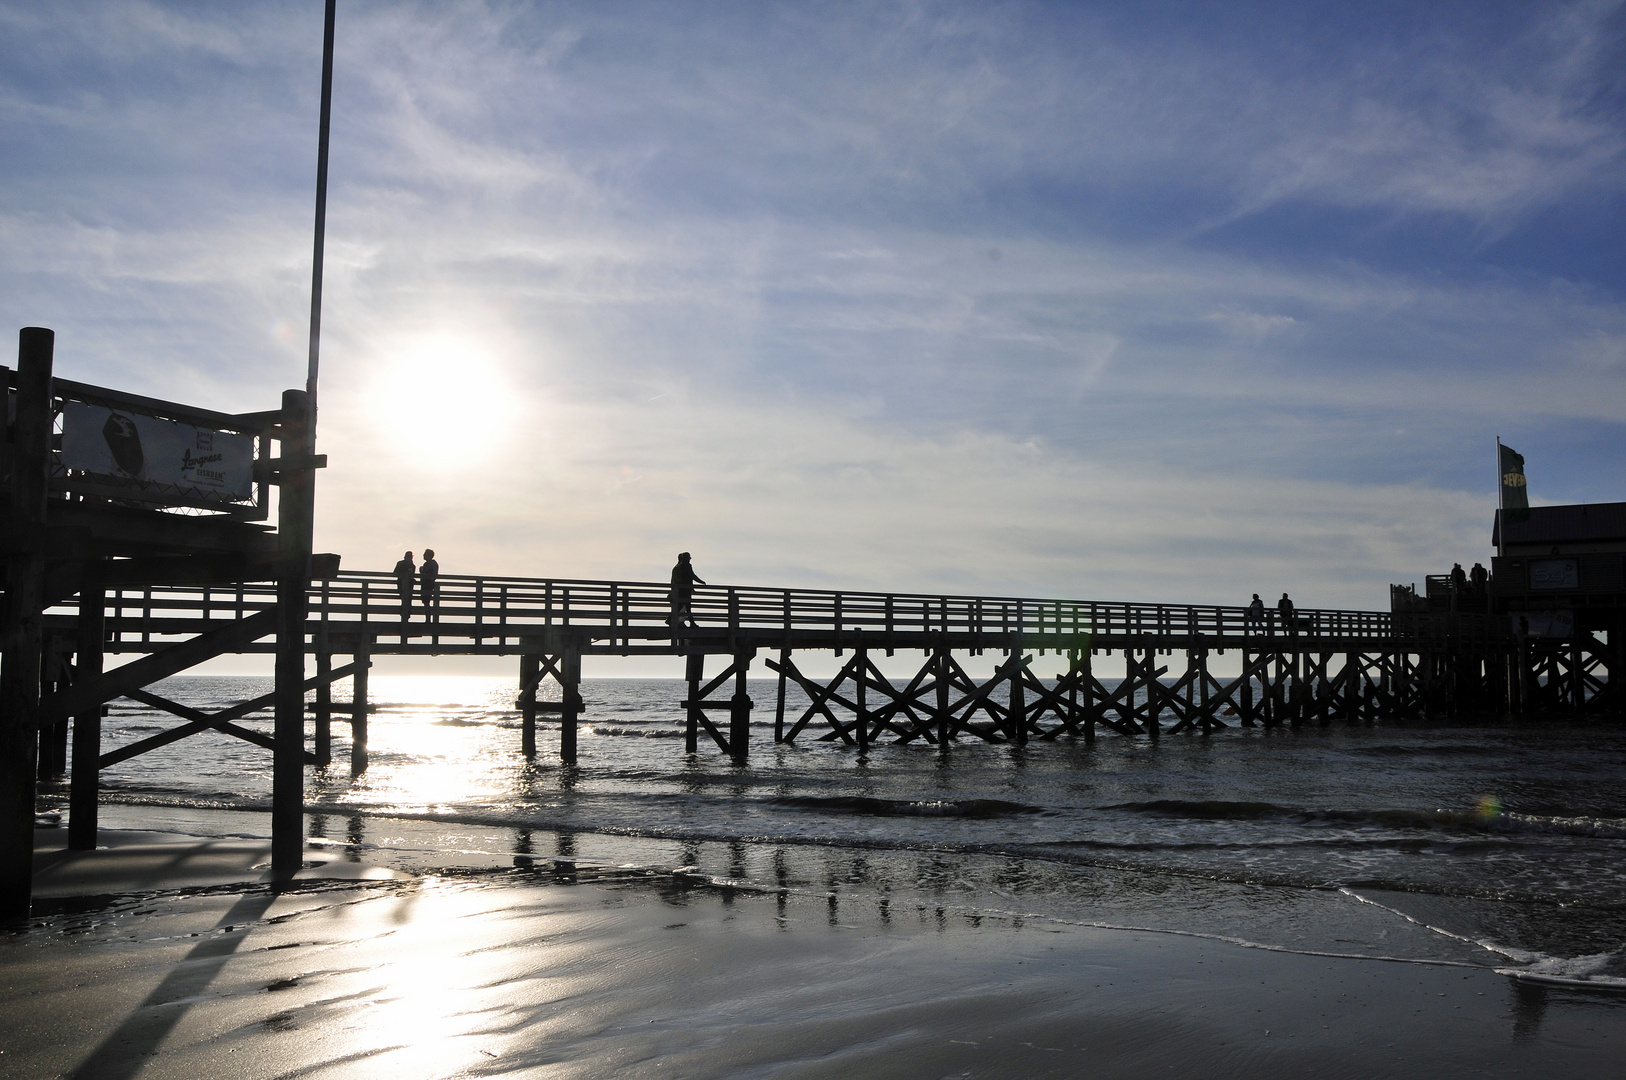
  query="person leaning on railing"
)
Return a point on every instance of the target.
[{"x": 684, "y": 579}]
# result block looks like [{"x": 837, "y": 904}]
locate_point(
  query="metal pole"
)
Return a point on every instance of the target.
[{"x": 321, "y": 212}]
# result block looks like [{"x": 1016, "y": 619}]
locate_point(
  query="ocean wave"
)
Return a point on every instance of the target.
[
  {"x": 1438, "y": 819},
  {"x": 652, "y": 733},
  {"x": 1600, "y": 971},
  {"x": 863, "y": 804},
  {"x": 1413, "y": 750}
]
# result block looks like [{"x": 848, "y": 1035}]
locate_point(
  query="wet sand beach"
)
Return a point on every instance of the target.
[{"x": 572, "y": 971}]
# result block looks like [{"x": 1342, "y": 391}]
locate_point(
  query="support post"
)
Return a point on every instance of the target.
[
  {"x": 1018, "y": 710},
  {"x": 1087, "y": 684},
  {"x": 1577, "y": 677},
  {"x": 359, "y": 704},
  {"x": 323, "y": 734},
  {"x": 779, "y": 708},
  {"x": 1352, "y": 688},
  {"x": 942, "y": 661},
  {"x": 294, "y": 509},
  {"x": 20, "y": 647},
  {"x": 1247, "y": 688},
  {"x": 1295, "y": 689},
  {"x": 528, "y": 668},
  {"x": 861, "y": 675},
  {"x": 53, "y": 745},
  {"x": 570, "y": 665},
  {"x": 1205, "y": 711},
  {"x": 739, "y": 710},
  {"x": 84, "y": 786},
  {"x": 695, "y": 670},
  {"x": 1153, "y": 729}
]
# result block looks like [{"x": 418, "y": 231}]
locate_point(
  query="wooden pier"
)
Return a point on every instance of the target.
[
  {"x": 1324, "y": 667},
  {"x": 99, "y": 563}
]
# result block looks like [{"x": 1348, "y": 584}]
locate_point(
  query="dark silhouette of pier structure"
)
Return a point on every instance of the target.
[{"x": 100, "y": 564}]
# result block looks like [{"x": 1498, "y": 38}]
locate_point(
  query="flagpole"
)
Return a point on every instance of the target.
[{"x": 321, "y": 216}]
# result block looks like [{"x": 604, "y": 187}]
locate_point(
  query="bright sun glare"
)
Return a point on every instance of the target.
[{"x": 443, "y": 403}]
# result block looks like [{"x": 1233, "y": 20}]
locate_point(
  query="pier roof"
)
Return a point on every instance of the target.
[{"x": 1573, "y": 523}]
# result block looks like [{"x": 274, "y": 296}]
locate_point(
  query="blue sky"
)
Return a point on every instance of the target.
[{"x": 1170, "y": 303}]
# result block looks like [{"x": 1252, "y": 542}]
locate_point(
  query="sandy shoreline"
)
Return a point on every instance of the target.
[{"x": 362, "y": 971}]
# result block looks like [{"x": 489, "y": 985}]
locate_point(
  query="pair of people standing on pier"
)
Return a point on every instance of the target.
[
  {"x": 1255, "y": 614},
  {"x": 428, "y": 579}
]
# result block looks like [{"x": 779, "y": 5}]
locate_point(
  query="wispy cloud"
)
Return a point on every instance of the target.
[{"x": 905, "y": 295}]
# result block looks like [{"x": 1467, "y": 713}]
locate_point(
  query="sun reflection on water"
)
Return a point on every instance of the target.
[{"x": 437, "y": 742}]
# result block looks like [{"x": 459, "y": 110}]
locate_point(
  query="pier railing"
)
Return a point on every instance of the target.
[{"x": 495, "y": 612}]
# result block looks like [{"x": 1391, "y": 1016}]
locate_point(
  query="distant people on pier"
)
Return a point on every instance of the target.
[
  {"x": 405, "y": 571},
  {"x": 429, "y": 586},
  {"x": 1459, "y": 580},
  {"x": 684, "y": 579},
  {"x": 1478, "y": 576},
  {"x": 1256, "y": 613},
  {"x": 1284, "y": 608}
]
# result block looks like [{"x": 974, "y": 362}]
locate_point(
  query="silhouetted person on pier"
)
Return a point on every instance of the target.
[
  {"x": 1459, "y": 580},
  {"x": 429, "y": 586},
  {"x": 1256, "y": 613},
  {"x": 405, "y": 571},
  {"x": 1284, "y": 608},
  {"x": 1478, "y": 576},
  {"x": 684, "y": 579}
]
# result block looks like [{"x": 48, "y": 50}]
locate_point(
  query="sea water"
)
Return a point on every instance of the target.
[{"x": 1494, "y": 845}]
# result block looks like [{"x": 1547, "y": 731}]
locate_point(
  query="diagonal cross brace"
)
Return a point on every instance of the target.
[
  {"x": 91, "y": 693},
  {"x": 219, "y": 721}
]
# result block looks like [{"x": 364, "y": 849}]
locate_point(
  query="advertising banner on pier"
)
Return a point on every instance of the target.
[{"x": 156, "y": 454}]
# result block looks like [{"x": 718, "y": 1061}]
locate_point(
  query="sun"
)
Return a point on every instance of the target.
[{"x": 442, "y": 402}]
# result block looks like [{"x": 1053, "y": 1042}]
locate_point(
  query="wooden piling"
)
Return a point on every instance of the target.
[
  {"x": 53, "y": 737},
  {"x": 84, "y": 785},
  {"x": 739, "y": 711},
  {"x": 694, "y": 671},
  {"x": 570, "y": 666},
  {"x": 1205, "y": 712},
  {"x": 20, "y": 655},
  {"x": 359, "y": 704},
  {"x": 294, "y": 519},
  {"x": 1247, "y": 688},
  {"x": 861, "y": 676},
  {"x": 1087, "y": 684},
  {"x": 323, "y": 706},
  {"x": 1153, "y": 700},
  {"x": 1018, "y": 701},
  {"x": 529, "y": 677},
  {"x": 779, "y": 705}
]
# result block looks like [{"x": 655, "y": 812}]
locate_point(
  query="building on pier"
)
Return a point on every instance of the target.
[{"x": 1566, "y": 564}]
